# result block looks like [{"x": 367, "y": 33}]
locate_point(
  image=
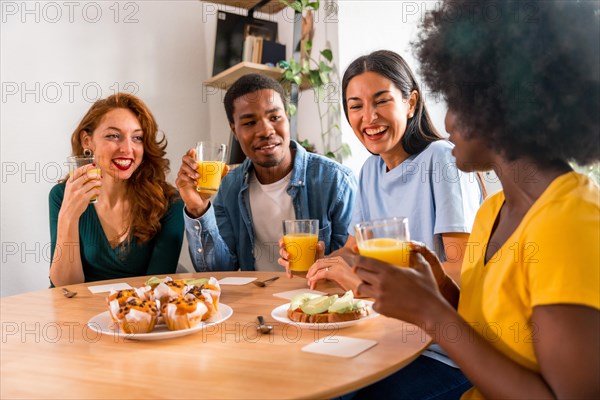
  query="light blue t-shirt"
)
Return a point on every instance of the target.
[{"x": 427, "y": 188}]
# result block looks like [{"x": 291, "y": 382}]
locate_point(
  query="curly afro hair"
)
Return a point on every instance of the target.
[{"x": 522, "y": 76}]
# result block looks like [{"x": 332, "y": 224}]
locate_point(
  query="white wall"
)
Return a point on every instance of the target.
[
  {"x": 55, "y": 61},
  {"x": 326, "y": 36}
]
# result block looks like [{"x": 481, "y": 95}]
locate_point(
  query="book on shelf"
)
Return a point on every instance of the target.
[
  {"x": 257, "y": 52},
  {"x": 253, "y": 49},
  {"x": 261, "y": 51},
  {"x": 248, "y": 48}
]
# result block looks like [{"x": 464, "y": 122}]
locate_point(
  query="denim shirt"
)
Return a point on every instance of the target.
[{"x": 223, "y": 238}]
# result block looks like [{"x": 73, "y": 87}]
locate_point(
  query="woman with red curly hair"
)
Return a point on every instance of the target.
[{"x": 136, "y": 226}]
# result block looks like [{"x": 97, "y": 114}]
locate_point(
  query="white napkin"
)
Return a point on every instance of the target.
[
  {"x": 109, "y": 287},
  {"x": 236, "y": 281},
  {"x": 291, "y": 293},
  {"x": 339, "y": 346}
]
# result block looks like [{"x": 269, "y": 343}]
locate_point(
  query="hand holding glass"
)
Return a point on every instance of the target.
[
  {"x": 75, "y": 162},
  {"x": 300, "y": 237},
  {"x": 385, "y": 240},
  {"x": 210, "y": 159}
]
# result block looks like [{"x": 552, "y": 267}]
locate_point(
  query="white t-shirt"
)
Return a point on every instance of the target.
[{"x": 269, "y": 205}]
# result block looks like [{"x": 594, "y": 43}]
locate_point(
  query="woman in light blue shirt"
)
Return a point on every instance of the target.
[{"x": 411, "y": 173}]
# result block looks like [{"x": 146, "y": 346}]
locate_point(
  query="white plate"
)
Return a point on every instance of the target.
[
  {"x": 103, "y": 323},
  {"x": 280, "y": 314}
]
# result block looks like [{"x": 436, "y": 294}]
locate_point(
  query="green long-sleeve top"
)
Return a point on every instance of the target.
[{"x": 101, "y": 261}]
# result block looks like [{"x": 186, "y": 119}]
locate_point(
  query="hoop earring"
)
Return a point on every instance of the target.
[{"x": 88, "y": 152}]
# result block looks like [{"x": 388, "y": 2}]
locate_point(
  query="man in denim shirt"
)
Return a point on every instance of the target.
[{"x": 278, "y": 180}]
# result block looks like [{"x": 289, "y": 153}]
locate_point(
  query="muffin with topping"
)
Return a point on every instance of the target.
[
  {"x": 213, "y": 288},
  {"x": 137, "y": 316},
  {"x": 204, "y": 296},
  {"x": 170, "y": 289},
  {"x": 183, "y": 312},
  {"x": 117, "y": 299}
]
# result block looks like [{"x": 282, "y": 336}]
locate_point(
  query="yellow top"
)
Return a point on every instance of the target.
[{"x": 551, "y": 258}]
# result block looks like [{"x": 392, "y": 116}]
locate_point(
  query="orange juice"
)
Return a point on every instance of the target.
[
  {"x": 392, "y": 251},
  {"x": 301, "y": 248},
  {"x": 210, "y": 176},
  {"x": 93, "y": 173}
]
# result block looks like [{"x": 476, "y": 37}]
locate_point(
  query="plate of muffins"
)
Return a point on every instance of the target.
[{"x": 162, "y": 309}]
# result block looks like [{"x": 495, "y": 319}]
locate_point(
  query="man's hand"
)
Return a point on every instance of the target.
[{"x": 196, "y": 203}]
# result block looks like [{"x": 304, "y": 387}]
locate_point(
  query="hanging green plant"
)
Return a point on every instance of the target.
[{"x": 316, "y": 74}]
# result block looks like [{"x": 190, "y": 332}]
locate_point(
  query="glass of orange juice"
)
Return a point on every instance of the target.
[
  {"x": 300, "y": 237},
  {"x": 75, "y": 162},
  {"x": 385, "y": 240},
  {"x": 210, "y": 160}
]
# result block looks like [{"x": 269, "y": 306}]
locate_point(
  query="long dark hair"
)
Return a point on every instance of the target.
[{"x": 420, "y": 131}]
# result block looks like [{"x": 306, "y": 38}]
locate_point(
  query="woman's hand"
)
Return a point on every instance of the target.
[
  {"x": 410, "y": 294},
  {"x": 83, "y": 184},
  {"x": 284, "y": 256},
  {"x": 334, "y": 269},
  {"x": 446, "y": 284},
  {"x": 80, "y": 188},
  {"x": 196, "y": 203}
]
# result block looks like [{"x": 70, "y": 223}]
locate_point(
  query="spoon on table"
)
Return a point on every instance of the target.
[
  {"x": 264, "y": 283},
  {"x": 261, "y": 325},
  {"x": 68, "y": 293}
]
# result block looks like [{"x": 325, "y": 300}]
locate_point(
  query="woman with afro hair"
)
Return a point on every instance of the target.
[{"x": 522, "y": 84}]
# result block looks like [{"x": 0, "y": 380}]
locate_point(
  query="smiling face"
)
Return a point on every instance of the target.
[
  {"x": 261, "y": 126},
  {"x": 378, "y": 115},
  {"x": 117, "y": 143}
]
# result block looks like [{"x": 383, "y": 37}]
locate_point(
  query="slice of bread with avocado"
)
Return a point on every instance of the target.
[{"x": 317, "y": 309}]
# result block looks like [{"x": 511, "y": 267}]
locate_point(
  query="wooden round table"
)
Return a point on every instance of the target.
[{"x": 48, "y": 351}]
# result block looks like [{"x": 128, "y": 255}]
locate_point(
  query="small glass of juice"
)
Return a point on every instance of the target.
[
  {"x": 300, "y": 237},
  {"x": 210, "y": 160},
  {"x": 384, "y": 239},
  {"x": 75, "y": 162}
]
